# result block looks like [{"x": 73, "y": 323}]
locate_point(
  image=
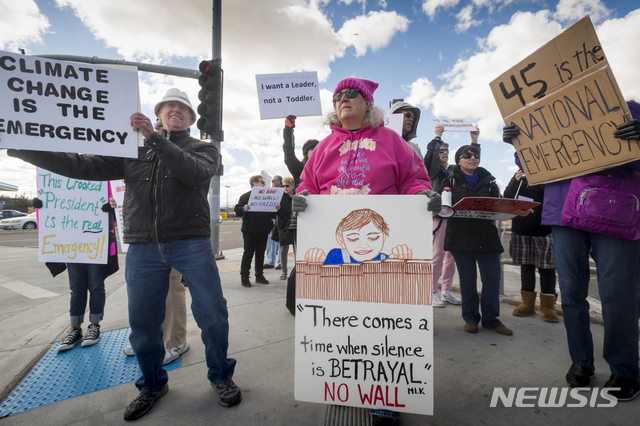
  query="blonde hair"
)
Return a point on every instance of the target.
[{"x": 288, "y": 181}]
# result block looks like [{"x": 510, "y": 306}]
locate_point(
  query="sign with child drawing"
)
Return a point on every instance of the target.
[{"x": 364, "y": 319}]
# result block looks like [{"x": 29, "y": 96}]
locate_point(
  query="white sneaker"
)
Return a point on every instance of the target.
[
  {"x": 172, "y": 354},
  {"x": 451, "y": 297},
  {"x": 128, "y": 351},
  {"x": 437, "y": 302}
]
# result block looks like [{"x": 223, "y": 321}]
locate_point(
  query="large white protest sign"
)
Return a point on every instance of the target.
[
  {"x": 281, "y": 95},
  {"x": 72, "y": 227},
  {"x": 364, "y": 321},
  {"x": 454, "y": 124},
  {"x": 117, "y": 192},
  {"x": 394, "y": 122},
  {"x": 265, "y": 199},
  {"x": 49, "y": 105}
]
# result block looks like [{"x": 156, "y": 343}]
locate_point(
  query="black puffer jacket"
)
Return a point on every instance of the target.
[
  {"x": 167, "y": 185},
  {"x": 531, "y": 224},
  {"x": 477, "y": 235}
]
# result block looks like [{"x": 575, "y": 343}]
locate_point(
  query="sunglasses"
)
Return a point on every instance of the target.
[
  {"x": 442, "y": 151},
  {"x": 351, "y": 93},
  {"x": 287, "y": 186},
  {"x": 468, "y": 155},
  {"x": 409, "y": 115}
]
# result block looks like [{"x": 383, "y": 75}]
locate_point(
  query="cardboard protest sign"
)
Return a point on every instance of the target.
[
  {"x": 567, "y": 104},
  {"x": 454, "y": 124},
  {"x": 491, "y": 208},
  {"x": 117, "y": 192},
  {"x": 49, "y": 105},
  {"x": 281, "y": 95},
  {"x": 72, "y": 228},
  {"x": 394, "y": 122},
  {"x": 364, "y": 321},
  {"x": 265, "y": 199}
]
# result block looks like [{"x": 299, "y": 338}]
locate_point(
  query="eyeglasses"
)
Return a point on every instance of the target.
[
  {"x": 263, "y": 182},
  {"x": 351, "y": 93},
  {"x": 468, "y": 155},
  {"x": 275, "y": 180},
  {"x": 442, "y": 151},
  {"x": 409, "y": 115}
]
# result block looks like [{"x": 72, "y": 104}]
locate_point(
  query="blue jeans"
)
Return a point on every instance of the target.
[
  {"x": 617, "y": 284},
  {"x": 273, "y": 248},
  {"x": 147, "y": 273},
  {"x": 85, "y": 277},
  {"x": 489, "y": 303}
]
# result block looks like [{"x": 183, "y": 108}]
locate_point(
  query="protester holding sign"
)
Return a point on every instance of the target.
[
  {"x": 294, "y": 165},
  {"x": 583, "y": 220},
  {"x": 475, "y": 241},
  {"x": 361, "y": 156},
  {"x": 256, "y": 227},
  {"x": 167, "y": 224}
]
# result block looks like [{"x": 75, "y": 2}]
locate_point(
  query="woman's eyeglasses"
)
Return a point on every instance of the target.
[
  {"x": 468, "y": 155},
  {"x": 351, "y": 93},
  {"x": 442, "y": 151},
  {"x": 409, "y": 115}
]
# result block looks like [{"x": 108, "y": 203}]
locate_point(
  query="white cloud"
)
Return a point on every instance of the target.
[
  {"x": 465, "y": 19},
  {"x": 430, "y": 7},
  {"x": 21, "y": 23},
  {"x": 372, "y": 31},
  {"x": 572, "y": 10}
]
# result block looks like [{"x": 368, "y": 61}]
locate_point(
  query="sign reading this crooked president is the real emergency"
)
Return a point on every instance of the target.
[
  {"x": 281, "y": 95},
  {"x": 49, "y": 105},
  {"x": 72, "y": 227}
]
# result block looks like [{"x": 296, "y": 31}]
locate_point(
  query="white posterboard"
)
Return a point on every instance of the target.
[
  {"x": 59, "y": 106},
  {"x": 72, "y": 228},
  {"x": 454, "y": 124},
  {"x": 117, "y": 192},
  {"x": 281, "y": 95},
  {"x": 364, "y": 331},
  {"x": 394, "y": 122},
  {"x": 265, "y": 199}
]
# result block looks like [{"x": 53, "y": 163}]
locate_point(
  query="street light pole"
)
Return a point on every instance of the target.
[{"x": 227, "y": 186}]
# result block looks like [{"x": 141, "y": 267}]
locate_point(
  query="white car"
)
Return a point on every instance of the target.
[{"x": 29, "y": 221}]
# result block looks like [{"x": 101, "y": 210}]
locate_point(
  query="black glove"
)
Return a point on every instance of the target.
[
  {"x": 106, "y": 207},
  {"x": 435, "y": 201},
  {"x": 628, "y": 130},
  {"x": 37, "y": 203},
  {"x": 299, "y": 202},
  {"x": 509, "y": 132}
]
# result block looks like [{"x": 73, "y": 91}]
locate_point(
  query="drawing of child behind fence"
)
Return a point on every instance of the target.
[{"x": 361, "y": 236}]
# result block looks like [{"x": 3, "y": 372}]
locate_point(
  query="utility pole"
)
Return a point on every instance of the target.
[{"x": 214, "y": 187}]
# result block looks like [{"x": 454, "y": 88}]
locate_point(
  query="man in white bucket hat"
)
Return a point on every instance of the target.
[{"x": 166, "y": 217}]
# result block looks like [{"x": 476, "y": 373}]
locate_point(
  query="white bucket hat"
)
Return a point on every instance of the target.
[{"x": 175, "y": 94}]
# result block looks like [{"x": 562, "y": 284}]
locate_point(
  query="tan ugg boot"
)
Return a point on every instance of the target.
[
  {"x": 527, "y": 306},
  {"x": 548, "y": 307}
]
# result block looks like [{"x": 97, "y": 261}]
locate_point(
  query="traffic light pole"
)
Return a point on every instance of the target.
[{"x": 214, "y": 187}]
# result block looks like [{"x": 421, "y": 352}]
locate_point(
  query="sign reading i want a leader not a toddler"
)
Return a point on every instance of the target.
[
  {"x": 49, "y": 105},
  {"x": 364, "y": 314},
  {"x": 281, "y": 95},
  {"x": 72, "y": 228}
]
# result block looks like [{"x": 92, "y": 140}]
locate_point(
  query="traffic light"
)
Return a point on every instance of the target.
[{"x": 210, "y": 95}]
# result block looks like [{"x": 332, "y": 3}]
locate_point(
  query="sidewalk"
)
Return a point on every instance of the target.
[{"x": 467, "y": 367}]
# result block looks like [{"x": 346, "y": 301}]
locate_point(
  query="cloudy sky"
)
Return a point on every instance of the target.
[{"x": 437, "y": 54}]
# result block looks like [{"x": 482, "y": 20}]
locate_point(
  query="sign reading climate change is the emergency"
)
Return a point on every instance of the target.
[
  {"x": 48, "y": 105},
  {"x": 72, "y": 227},
  {"x": 281, "y": 95}
]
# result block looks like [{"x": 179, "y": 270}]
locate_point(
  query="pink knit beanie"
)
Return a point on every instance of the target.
[{"x": 366, "y": 87}]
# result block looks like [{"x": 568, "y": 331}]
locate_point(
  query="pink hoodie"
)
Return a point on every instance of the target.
[{"x": 368, "y": 161}]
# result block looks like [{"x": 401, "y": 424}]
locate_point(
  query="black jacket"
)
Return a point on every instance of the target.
[
  {"x": 284, "y": 215},
  {"x": 527, "y": 225},
  {"x": 167, "y": 185},
  {"x": 253, "y": 222},
  {"x": 477, "y": 235},
  {"x": 294, "y": 165}
]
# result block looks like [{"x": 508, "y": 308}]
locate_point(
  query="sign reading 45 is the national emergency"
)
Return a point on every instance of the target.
[{"x": 49, "y": 105}]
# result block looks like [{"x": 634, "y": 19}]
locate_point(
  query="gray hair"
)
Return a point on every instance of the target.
[{"x": 374, "y": 117}]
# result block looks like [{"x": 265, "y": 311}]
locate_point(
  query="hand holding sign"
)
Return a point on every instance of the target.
[{"x": 141, "y": 123}]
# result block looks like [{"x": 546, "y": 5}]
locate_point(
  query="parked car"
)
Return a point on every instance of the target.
[
  {"x": 14, "y": 213},
  {"x": 29, "y": 221}
]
